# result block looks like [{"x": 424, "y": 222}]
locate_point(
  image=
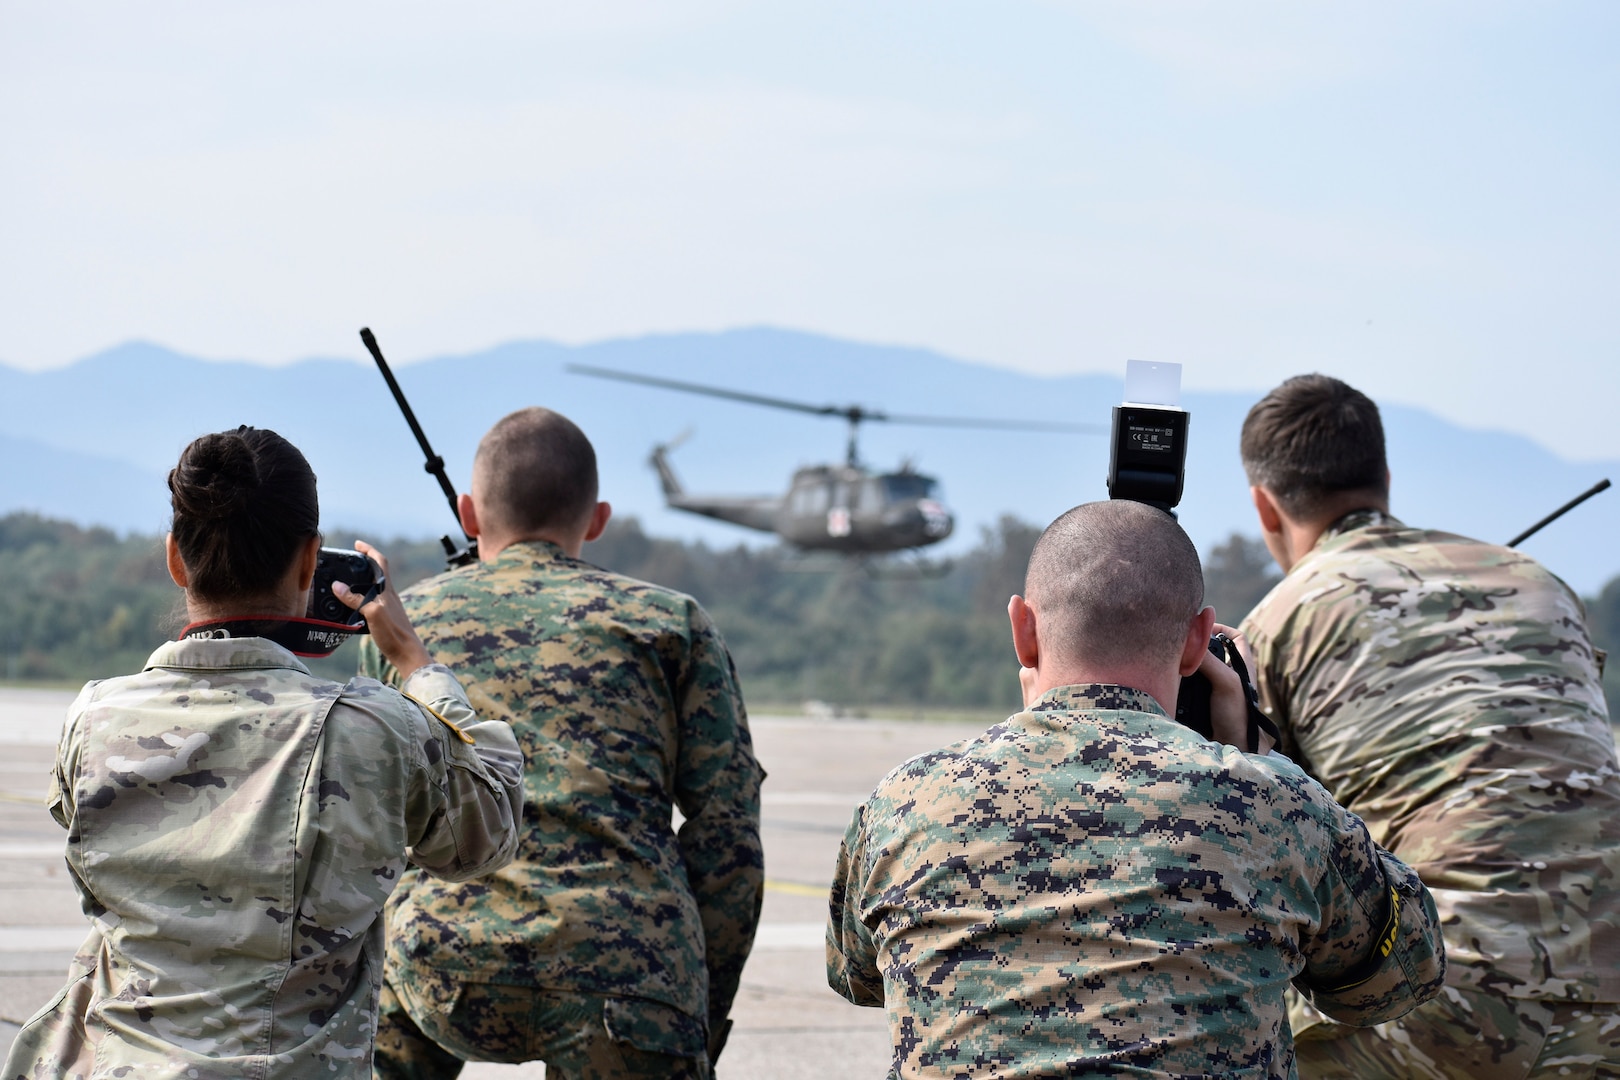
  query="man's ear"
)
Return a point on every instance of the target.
[
  {"x": 308, "y": 558},
  {"x": 1265, "y": 504},
  {"x": 468, "y": 515},
  {"x": 1193, "y": 649},
  {"x": 599, "y": 520},
  {"x": 177, "y": 565},
  {"x": 1025, "y": 637}
]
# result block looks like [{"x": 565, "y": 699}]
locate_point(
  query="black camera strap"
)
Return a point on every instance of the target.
[
  {"x": 1258, "y": 721},
  {"x": 302, "y": 637}
]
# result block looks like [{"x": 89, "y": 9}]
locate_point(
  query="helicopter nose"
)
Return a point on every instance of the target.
[{"x": 937, "y": 521}]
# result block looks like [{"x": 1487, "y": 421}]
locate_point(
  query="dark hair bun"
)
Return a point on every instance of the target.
[
  {"x": 216, "y": 478},
  {"x": 243, "y": 502}
]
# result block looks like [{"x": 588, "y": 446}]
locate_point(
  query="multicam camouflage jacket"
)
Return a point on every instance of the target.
[
  {"x": 235, "y": 825},
  {"x": 625, "y": 702},
  {"x": 1447, "y": 692},
  {"x": 1091, "y": 889}
]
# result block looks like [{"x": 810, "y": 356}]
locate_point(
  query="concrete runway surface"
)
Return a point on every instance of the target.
[{"x": 789, "y": 1025}]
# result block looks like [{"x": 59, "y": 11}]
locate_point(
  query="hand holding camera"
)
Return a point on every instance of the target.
[
  {"x": 383, "y": 614},
  {"x": 1225, "y": 669}
]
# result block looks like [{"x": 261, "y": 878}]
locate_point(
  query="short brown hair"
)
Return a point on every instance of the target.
[
  {"x": 1115, "y": 582},
  {"x": 1314, "y": 438},
  {"x": 534, "y": 471}
]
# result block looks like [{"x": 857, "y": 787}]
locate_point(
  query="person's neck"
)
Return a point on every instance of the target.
[
  {"x": 1163, "y": 687},
  {"x": 1301, "y": 537},
  {"x": 199, "y": 610},
  {"x": 489, "y": 548}
]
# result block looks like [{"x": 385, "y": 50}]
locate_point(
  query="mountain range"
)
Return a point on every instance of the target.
[{"x": 91, "y": 442}]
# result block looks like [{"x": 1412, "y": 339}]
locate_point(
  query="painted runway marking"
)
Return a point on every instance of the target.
[
  {"x": 791, "y": 936},
  {"x": 24, "y": 939}
]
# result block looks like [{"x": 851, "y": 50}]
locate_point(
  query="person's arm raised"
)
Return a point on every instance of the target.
[{"x": 390, "y": 627}]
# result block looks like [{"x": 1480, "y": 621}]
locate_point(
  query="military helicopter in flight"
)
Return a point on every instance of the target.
[{"x": 845, "y": 508}]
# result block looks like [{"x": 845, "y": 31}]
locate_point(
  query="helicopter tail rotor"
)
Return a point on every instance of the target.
[{"x": 659, "y": 460}]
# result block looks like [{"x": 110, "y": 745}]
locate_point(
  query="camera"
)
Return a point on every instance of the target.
[
  {"x": 356, "y": 571},
  {"x": 1147, "y": 463},
  {"x": 1193, "y": 701}
]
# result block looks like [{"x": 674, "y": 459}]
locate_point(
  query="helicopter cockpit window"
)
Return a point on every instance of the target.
[
  {"x": 810, "y": 499},
  {"x": 911, "y": 487},
  {"x": 869, "y": 499}
]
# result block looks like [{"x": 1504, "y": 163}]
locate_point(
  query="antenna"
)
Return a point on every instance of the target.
[
  {"x": 1601, "y": 485},
  {"x": 434, "y": 463}
]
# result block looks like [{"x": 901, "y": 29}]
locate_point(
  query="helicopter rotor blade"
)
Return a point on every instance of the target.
[
  {"x": 997, "y": 425},
  {"x": 855, "y": 414},
  {"x": 715, "y": 391}
]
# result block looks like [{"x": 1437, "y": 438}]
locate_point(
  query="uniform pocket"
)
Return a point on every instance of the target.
[{"x": 654, "y": 1027}]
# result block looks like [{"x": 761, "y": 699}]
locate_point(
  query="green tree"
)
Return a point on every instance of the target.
[{"x": 1237, "y": 574}]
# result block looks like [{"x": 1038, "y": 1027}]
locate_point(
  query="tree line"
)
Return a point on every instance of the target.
[{"x": 84, "y": 603}]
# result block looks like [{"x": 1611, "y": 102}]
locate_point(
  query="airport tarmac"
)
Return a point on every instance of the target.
[{"x": 789, "y": 1025}]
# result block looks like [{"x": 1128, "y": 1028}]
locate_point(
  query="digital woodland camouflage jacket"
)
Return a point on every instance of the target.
[
  {"x": 1090, "y": 888},
  {"x": 235, "y": 825},
  {"x": 625, "y": 702},
  {"x": 1446, "y": 691}
]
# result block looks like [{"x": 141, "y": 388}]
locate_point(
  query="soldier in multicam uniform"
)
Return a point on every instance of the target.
[
  {"x": 1091, "y": 889},
  {"x": 613, "y": 946},
  {"x": 236, "y": 824},
  {"x": 1446, "y": 691}
]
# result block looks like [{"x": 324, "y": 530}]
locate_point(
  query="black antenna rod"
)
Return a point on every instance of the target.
[
  {"x": 1601, "y": 485},
  {"x": 434, "y": 463}
]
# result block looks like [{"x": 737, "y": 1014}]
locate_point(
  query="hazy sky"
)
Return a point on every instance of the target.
[{"x": 1420, "y": 197}]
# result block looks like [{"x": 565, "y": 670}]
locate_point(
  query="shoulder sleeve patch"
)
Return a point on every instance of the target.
[{"x": 462, "y": 735}]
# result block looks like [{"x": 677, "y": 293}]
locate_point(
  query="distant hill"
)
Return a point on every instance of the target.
[
  {"x": 88, "y": 488},
  {"x": 92, "y": 441}
]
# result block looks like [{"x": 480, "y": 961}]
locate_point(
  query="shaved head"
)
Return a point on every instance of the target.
[
  {"x": 1115, "y": 583},
  {"x": 535, "y": 471}
]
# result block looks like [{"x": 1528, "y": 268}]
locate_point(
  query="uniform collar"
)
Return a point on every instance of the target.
[
  {"x": 530, "y": 551},
  {"x": 1359, "y": 519},
  {"x": 1097, "y": 696},
  {"x": 224, "y": 654}
]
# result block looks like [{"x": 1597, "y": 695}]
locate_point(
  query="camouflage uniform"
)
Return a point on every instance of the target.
[
  {"x": 1447, "y": 692},
  {"x": 235, "y": 825},
  {"x": 1091, "y": 889},
  {"x": 625, "y": 702}
]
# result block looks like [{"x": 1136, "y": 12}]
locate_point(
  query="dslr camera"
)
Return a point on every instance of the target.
[
  {"x": 1147, "y": 463},
  {"x": 356, "y": 571}
]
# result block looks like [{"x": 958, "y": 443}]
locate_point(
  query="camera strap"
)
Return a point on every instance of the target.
[
  {"x": 302, "y": 637},
  {"x": 1258, "y": 721}
]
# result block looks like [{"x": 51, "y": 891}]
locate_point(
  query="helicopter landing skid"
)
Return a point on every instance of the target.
[
  {"x": 908, "y": 566},
  {"x": 813, "y": 562}
]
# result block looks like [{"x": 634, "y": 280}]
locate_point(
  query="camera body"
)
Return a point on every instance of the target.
[
  {"x": 353, "y": 569},
  {"x": 1147, "y": 463}
]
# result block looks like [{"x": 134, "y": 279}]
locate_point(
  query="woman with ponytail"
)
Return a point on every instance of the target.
[{"x": 235, "y": 824}]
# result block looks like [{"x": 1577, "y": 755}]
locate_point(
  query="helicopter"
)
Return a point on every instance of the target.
[{"x": 845, "y": 508}]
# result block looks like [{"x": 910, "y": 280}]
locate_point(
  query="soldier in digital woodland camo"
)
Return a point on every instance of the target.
[
  {"x": 1445, "y": 690},
  {"x": 613, "y": 946},
  {"x": 235, "y": 823},
  {"x": 1091, "y": 889}
]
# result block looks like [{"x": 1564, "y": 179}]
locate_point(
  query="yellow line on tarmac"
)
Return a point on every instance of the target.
[{"x": 793, "y": 888}]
